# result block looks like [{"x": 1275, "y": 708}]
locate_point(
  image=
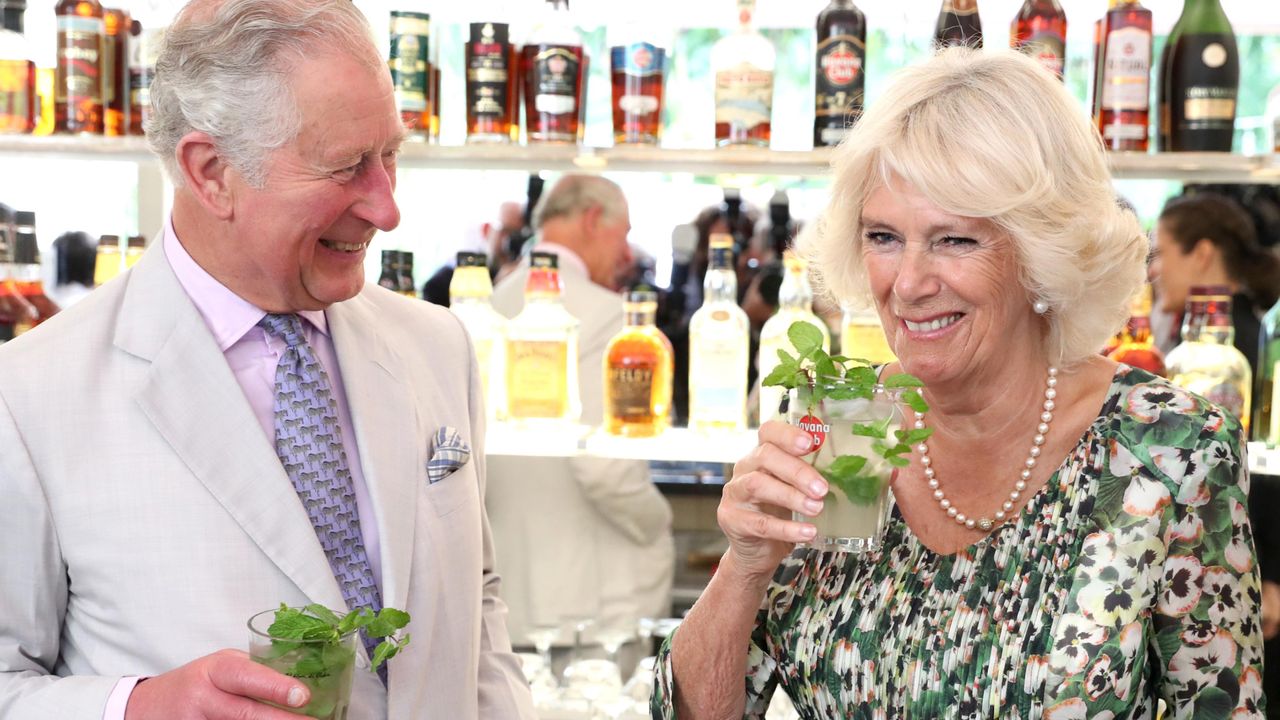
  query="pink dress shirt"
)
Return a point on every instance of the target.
[{"x": 252, "y": 356}]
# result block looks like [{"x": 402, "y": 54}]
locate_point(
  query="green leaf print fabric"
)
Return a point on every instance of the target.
[{"x": 1129, "y": 579}]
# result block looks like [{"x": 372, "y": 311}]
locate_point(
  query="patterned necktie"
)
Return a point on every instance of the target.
[{"x": 309, "y": 443}]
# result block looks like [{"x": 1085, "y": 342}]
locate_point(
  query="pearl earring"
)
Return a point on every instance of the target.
[{"x": 1041, "y": 307}]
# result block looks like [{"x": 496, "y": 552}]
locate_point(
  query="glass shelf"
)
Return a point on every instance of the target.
[
  {"x": 1188, "y": 167},
  {"x": 674, "y": 445}
]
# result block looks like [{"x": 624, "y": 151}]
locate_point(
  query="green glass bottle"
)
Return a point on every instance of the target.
[
  {"x": 1266, "y": 422},
  {"x": 1200, "y": 78}
]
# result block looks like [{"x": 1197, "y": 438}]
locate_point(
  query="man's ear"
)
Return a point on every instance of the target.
[
  {"x": 591, "y": 218},
  {"x": 206, "y": 174}
]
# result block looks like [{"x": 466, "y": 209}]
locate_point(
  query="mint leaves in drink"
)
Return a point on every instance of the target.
[
  {"x": 318, "y": 623},
  {"x": 819, "y": 377}
]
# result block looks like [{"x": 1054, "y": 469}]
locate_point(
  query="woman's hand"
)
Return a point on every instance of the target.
[{"x": 767, "y": 485}]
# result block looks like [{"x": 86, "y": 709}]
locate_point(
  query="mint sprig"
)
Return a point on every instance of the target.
[
  {"x": 810, "y": 369},
  {"x": 318, "y": 623}
]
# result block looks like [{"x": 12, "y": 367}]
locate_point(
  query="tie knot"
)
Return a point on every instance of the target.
[{"x": 287, "y": 327}]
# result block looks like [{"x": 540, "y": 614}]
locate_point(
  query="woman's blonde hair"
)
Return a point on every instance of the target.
[{"x": 994, "y": 135}]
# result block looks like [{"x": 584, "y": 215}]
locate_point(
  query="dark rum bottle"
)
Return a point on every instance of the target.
[
  {"x": 958, "y": 24},
  {"x": 638, "y": 69},
  {"x": 410, "y": 71},
  {"x": 27, "y": 277},
  {"x": 390, "y": 277},
  {"x": 1136, "y": 347},
  {"x": 840, "y": 71},
  {"x": 115, "y": 70},
  {"x": 1125, "y": 79},
  {"x": 1040, "y": 30},
  {"x": 77, "y": 91},
  {"x": 491, "y": 84},
  {"x": 17, "y": 73},
  {"x": 553, "y": 65},
  {"x": 1200, "y": 78}
]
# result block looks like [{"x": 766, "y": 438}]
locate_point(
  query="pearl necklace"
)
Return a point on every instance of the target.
[{"x": 985, "y": 524}]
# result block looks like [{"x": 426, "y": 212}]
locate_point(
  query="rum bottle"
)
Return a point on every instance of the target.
[
  {"x": 1200, "y": 77},
  {"x": 17, "y": 73},
  {"x": 491, "y": 84},
  {"x": 795, "y": 303},
  {"x": 13, "y": 307},
  {"x": 134, "y": 248},
  {"x": 553, "y": 64},
  {"x": 1207, "y": 362},
  {"x": 542, "y": 350},
  {"x": 410, "y": 69},
  {"x": 839, "y": 72},
  {"x": 27, "y": 278},
  {"x": 638, "y": 68},
  {"x": 109, "y": 260},
  {"x": 743, "y": 63},
  {"x": 862, "y": 336},
  {"x": 1040, "y": 30},
  {"x": 1266, "y": 421},
  {"x": 77, "y": 101},
  {"x": 719, "y": 341},
  {"x": 144, "y": 49},
  {"x": 115, "y": 70},
  {"x": 1125, "y": 77},
  {"x": 390, "y": 277},
  {"x": 404, "y": 275},
  {"x": 958, "y": 24},
  {"x": 638, "y": 365},
  {"x": 470, "y": 291},
  {"x": 1136, "y": 347}
]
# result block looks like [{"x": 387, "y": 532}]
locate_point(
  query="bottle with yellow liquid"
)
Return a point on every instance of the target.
[
  {"x": 542, "y": 350},
  {"x": 637, "y": 372},
  {"x": 134, "y": 248},
  {"x": 719, "y": 347},
  {"x": 863, "y": 337},
  {"x": 470, "y": 291},
  {"x": 795, "y": 303},
  {"x": 1207, "y": 362},
  {"x": 109, "y": 262}
]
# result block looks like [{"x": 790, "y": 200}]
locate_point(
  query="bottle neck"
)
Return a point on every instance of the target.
[
  {"x": 1139, "y": 329},
  {"x": 795, "y": 293},
  {"x": 11, "y": 19},
  {"x": 1203, "y": 16},
  {"x": 470, "y": 284},
  {"x": 27, "y": 274},
  {"x": 641, "y": 317},
  {"x": 746, "y": 15},
  {"x": 543, "y": 285}
]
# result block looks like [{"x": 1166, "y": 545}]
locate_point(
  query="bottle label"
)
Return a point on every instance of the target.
[
  {"x": 555, "y": 77},
  {"x": 1127, "y": 70},
  {"x": 410, "y": 39},
  {"x": 631, "y": 393},
  {"x": 717, "y": 375},
  {"x": 638, "y": 59},
  {"x": 839, "y": 84},
  {"x": 744, "y": 96},
  {"x": 488, "y": 71},
  {"x": 79, "y": 58},
  {"x": 537, "y": 378},
  {"x": 15, "y": 100},
  {"x": 1048, "y": 48},
  {"x": 817, "y": 430}
]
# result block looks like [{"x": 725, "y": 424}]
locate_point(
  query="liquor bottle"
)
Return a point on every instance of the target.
[
  {"x": 390, "y": 277},
  {"x": 17, "y": 73},
  {"x": 958, "y": 24},
  {"x": 410, "y": 72},
  {"x": 795, "y": 303},
  {"x": 638, "y": 68},
  {"x": 27, "y": 277},
  {"x": 840, "y": 71},
  {"x": 1266, "y": 421},
  {"x": 109, "y": 260},
  {"x": 553, "y": 65},
  {"x": 115, "y": 71},
  {"x": 743, "y": 63},
  {"x": 1040, "y": 30},
  {"x": 1096, "y": 90},
  {"x": 433, "y": 90},
  {"x": 542, "y": 350},
  {"x": 404, "y": 275},
  {"x": 862, "y": 336},
  {"x": 638, "y": 365},
  {"x": 719, "y": 341},
  {"x": 77, "y": 102},
  {"x": 134, "y": 248},
  {"x": 1207, "y": 362},
  {"x": 1200, "y": 77},
  {"x": 144, "y": 49},
  {"x": 1125, "y": 78},
  {"x": 470, "y": 291},
  {"x": 13, "y": 307},
  {"x": 492, "y": 92},
  {"x": 1136, "y": 347}
]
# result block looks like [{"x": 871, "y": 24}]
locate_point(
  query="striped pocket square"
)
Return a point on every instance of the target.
[{"x": 450, "y": 452}]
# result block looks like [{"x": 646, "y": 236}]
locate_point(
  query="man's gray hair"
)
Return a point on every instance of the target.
[
  {"x": 223, "y": 70},
  {"x": 573, "y": 194}
]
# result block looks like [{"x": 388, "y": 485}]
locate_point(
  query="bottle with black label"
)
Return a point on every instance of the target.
[
  {"x": 410, "y": 70},
  {"x": 1040, "y": 30},
  {"x": 958, "y": 24},
  {"x": 553, "y": 64},
  {"x": 491, "y": 84},
  {"x": 1200, "y": 79},
  {"x": 840, "y": 71},
  {"x": 390, "y": 278}
]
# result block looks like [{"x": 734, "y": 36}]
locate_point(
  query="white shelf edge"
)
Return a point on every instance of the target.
[{"x": 673, "y": 445}]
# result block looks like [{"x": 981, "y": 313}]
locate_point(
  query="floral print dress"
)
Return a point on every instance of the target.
[{"x": 1129, "y": 579}]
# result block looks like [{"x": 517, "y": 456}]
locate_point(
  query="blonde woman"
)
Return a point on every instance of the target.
[{"x": 1072, "y": 541}]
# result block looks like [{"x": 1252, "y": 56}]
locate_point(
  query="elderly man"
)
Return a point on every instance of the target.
[
  {"x": 168, "y": 447},
  {"x": 581, "y": 538}
]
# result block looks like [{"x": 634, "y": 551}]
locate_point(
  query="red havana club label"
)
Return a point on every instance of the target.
[{"x": 817, "y": 430}]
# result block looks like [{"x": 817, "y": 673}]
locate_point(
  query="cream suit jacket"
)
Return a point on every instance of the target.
[
  {"x": 579, "y": 537},
  {"x": 144, "y": 516}
]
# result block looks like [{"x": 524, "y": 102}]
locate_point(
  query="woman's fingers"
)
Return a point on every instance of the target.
[{"x": 781, "y": 463}]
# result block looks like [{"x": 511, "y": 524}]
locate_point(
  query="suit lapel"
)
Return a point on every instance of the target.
[
  {"x": 195, "y": 403},
  {"x": 389, "y": 432}
]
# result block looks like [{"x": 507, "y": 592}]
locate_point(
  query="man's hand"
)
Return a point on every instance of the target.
[
  {"x": 1270, "y": 609},
  {"x": 226, "y": 685}
]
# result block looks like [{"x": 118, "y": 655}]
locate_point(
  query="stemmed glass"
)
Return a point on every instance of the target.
[
  {"x": 580, "y": 624},
  {"x": 612, "y": 640},
  {"x": 543, "y": 637}
]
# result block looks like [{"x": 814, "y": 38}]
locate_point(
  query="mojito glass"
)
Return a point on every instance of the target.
[
  {"x": 855, "y": 509},
  {"x": 325, "y": 667}
]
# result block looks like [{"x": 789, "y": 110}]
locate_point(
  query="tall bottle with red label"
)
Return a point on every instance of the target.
[
  {"x": 554, "y": 66},
  {"x": 77, "y": 101},
  {"x": 1040, "y": 30},
  {"x": 840, "y": 71},
  {"x": 1125, "y": 77}
]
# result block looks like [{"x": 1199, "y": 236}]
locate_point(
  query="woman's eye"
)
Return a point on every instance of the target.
[
  {"x": 957, "y": 241},
  {"x": 879, "y": 238}
]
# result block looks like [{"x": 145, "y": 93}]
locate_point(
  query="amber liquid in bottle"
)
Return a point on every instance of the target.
[
  {"x": 958, "y": 24},
  {"x": 638, "y": 369},
  {"x": 77, "y": 104},
  {"x": 1040, "y": 30},
  {"x": 115, "y": 71},
  {"x": 553, "y": 91},
  {"x": 1125, "y": 79},
  {"x": 1136, "y": 347},
  {"x": 18, "y": 100},
  {"x": 638, "y": 71},
  {"x": 840, "y": 72},
  {"x": 492, "y": 69}
]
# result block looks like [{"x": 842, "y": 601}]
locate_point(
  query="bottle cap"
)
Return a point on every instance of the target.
[
  {"x": 642, "y": 295},
  {"x": 721, "y": 241},
  {"x": 25, "y": 249},
  {"x": 544, "y": 261},
  {"x": 472, "y": 259},
  {"x": 25, "y": 218},
  {"x": 111, "y": 241},
  {"x": 137, "y": 241},
  {"x": 1209, "y": 291}
]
